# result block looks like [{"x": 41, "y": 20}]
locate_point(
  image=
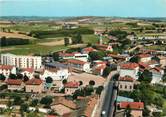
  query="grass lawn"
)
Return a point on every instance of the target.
[
  {"x": 92, "y": 39},
  {"x": 33, "y": 49}
]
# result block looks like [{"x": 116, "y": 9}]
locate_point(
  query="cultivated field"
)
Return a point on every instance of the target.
[{"x": 15, "y": 35}]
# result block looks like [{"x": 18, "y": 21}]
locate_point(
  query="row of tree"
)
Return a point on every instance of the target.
[{"x": 13, "y": 41}]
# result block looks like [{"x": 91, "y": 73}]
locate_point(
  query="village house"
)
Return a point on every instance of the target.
[
  {"x": 144, "y": 57},
  {"x": 136, "y": 108},
  {"x": 104, "y": 47},
  {"x": 98, "y": 67},
  {"x": 157, "y": 74},
  {"x": 7, "y": 69},
  {"x": 126, "y": 83},
  {"x": 57, "y": 71},
  {"x": 88, "y": 50},
  {"x": 129, "y": 69},
  {"x": 34, "y": 86},
  {"x": 162, "y": 61},
  {"x": 79, "y": 65},
  {"x": 28, "y": 72},
  {"x": 71, "y": 87},
  {"x": 14, "y": 84}
]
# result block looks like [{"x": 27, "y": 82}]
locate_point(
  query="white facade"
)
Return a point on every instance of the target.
[
  {"x": 81, "y": 57},
  {"x": 145, "y": 59},
  {"x": 6, "y": 72},
  {"x": 21, "y": 61},
  {"x": 129, "y": 72},
  {"x": 58, "y": 75}
]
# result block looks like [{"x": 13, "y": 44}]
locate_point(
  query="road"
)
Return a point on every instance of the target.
[{"x": 108, "y": 94}]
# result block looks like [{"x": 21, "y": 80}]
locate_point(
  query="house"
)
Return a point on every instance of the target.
[
  {"x": 34, "y": 86},
  {"x": 14, "y": 84},
  {"x": 162, "y": 61},
  {"x": 144, "y": 57},
  {"x": 157, "y": 74},
  {"x": 28, "y": 72},
  {"x": 71, "y": 87},
  {"x": 98, "y": 67},
  {"x": 79, "y": 65},
  {"x": 88, "y": 50},
  {"x": 104, "y": 47},
  {"x": 7, "y": 69},
  {"x": 129, "y": 69},
  {"x": 126, "y": 83},
  {"x": 136, "y": 108},
  {"x": 56, "y": 70}
]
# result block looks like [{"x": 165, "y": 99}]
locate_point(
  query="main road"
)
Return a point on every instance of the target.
[{"x": 107, "y": 99}]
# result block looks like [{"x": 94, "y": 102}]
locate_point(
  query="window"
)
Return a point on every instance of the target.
[
  {"x": 125, "y": 86},
  {"x": 120, "y": 86},
  {"x": 130, "y": 87}
]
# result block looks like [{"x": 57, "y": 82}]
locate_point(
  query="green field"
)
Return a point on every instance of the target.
[{"x": 156, "y": 47}]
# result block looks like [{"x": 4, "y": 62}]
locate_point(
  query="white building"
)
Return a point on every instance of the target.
[
  {"x": 157, "y": 75},
  {"x": 78, "y": 56},
  {"x": 7, "y": 69},
  {"x": 145, "y": 57},
  {"x": 59, "y": 74},
  {"x": 21, "y": 61},
  {"x": 129, "y": 69},
  {"x": 79, "y": 65}
]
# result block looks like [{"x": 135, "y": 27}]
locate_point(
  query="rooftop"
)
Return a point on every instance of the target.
[
  {"x": 74, "y": 61},
  {"x": 6, "y": 67},
  {"x": 72, "y": 84},
  {"x": 13, "y": 81},
  {"x": 126, "y": 78},
  {"x": 129, "y": 66},
  {"x": 34, "y": 81},
  {"x": 132, "y": 105}
]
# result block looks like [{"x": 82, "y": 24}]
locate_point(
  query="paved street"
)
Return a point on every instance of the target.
[{"x": 105, "y": 102}]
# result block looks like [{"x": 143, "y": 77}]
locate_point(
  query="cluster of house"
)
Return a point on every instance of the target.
[{"x": 129, "y": 73}]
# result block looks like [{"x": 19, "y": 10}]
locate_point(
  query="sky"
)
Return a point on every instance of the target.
[{"x": 122, "y": 8}]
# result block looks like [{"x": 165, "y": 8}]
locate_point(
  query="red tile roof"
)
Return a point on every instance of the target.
[
  {"x": 74, "y": 61},
  {"x": 132, "y": 105},
  {"x": 13, "y": 81},
  {"x": 144, "y": 55},
  {"x": 6, "y": 67},
  {"x": 66, "y": 54},
  {"x": 126, "y": 78},
  {"x": 34, "y": 81},
  {"x": 28, "y": 70},
  {"x": 51, "y": 116},
  {"x": 72, "y": 84},
  {"x": 89, "y": 49},
  {"x": 129, "y": 66},
  {"x": 144, "y": 65}
]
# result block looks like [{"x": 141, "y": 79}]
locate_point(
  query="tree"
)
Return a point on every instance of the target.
[
  {"x": 2, "y": 77},
  {"x": 146, "y": 76},
  {"x": 157, "y": 59},
  {"x": 91, "y": 82},
  {"x": 128, "y": 111},
  {"x": 24, "y": 107},
  {"x": 25, "y": 78},
  {"x": 119, "y": 34},
  {"x": 19, "y": 76},
  {"x": 55, "y": 56},
  {"x": 49, "y": 80},
  {"x": 135, "y": 59},
  {"x": 106, "y": 71},
  {"x": 77, "y": 39},
  {"x": 80, "y": 83},
  {"x": 17, "y": 100},
  {"x": 12, "y": 76},
  {"x": 99, "y": 90},
  {"x": 34, "y": 102},
  {"x": 47, "y": 100},
  {"x": 97, "y": 55},
  {"x": 164, "y": 78},
  {"x": 64, "y": 81},
  {"x": 66, "y": 41}
]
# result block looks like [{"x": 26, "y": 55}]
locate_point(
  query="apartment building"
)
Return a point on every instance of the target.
[{"x": 21, "y": 61}]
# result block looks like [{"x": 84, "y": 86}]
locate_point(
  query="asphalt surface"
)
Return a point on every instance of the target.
[{"x": 109, "y": 100}]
